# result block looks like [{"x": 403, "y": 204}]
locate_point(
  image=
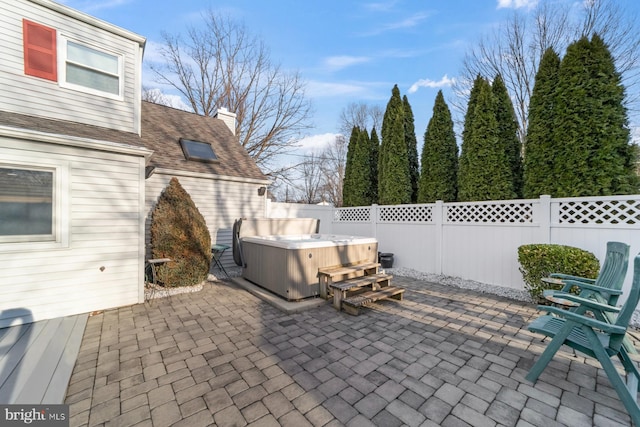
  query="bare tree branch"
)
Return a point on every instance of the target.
[
  {"x": 333, "y": 166},
  {"x": 362, "y": 115},
  {"x": 221, "y": 65}
]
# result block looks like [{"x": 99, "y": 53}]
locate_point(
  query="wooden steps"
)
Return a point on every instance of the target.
[
  {"x": 351, "y": 286},
  {"x": 326, "y": 275},
  {"x": 346, "y": 269},
  {"x": 359, "y": 282},
  {"x": 360, "y": 285},
  {"x": 353, "y": 304}
]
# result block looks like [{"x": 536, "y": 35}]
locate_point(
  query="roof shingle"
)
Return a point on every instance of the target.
[
  {"x": 62, "y": 127},
  {"x": 162, "y": 128}
]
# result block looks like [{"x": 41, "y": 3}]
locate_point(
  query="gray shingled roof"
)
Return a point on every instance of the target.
[
  {"x": 162, "y": 128},
  {"x": 61, "y": 127}
]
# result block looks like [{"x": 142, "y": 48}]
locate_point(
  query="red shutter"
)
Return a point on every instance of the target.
[{"x": 39, "y": 50}]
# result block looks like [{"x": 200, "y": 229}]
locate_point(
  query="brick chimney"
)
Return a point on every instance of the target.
[{"x": 228, "y": 118}]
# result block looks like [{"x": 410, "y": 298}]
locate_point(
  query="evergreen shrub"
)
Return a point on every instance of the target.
[
  {"x": 540, "y": 260},
  {"x": 179, "y": 232}
]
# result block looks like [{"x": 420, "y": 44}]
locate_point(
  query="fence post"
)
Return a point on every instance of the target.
[
  {"x": 544, "y": 213},
  {"x": 373, "y": 217},
  {"x": 267, "y": 208},
  {"x": 438, "y": 218}
]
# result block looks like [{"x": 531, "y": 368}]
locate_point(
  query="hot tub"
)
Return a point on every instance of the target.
[{"x": 287, "y": 265}]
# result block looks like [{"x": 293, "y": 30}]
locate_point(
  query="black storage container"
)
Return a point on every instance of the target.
[{"x": 386, "y": 259}]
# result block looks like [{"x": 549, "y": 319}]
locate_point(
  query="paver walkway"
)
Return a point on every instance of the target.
[{"x": 443, "y": 356}]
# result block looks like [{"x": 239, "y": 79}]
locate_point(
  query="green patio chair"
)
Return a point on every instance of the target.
[
  {"x": 606, "y": 288},
  {"x": 595, "y": 338}
]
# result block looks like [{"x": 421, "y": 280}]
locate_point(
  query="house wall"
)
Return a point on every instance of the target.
[
  {"x": 221, "y": 200},
  {"x": 36, "y": 96},
  {"x": 98, "y": 261}
]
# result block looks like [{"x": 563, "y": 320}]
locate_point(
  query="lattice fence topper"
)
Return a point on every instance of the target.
[
  {"x": 507, "y": 213},
  {"x": 599, "y": 212},
  {"x": 352, "y": 214},
  {"x": 405, "y": 213}
]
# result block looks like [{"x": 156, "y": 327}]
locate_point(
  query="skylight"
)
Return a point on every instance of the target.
[{"x": 196, "y": 150}]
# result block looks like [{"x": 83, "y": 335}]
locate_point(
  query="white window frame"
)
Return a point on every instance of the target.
[
  {"x": 59, "y": 237},
  {"x": 63, "y": 41}
]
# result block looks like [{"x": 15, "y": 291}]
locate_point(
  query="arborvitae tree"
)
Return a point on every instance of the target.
[
  {"x": 508, "y": 132},
  {"x": 471, "y": 105},
  {"x": 484, "y": 173},
  {"x": 412, "y": 148},
  {"x": 591, "y": 129},
  {"x": 439, "y": 160},
  {"x": 360, "y": 174},
  {"x": 373, "y": 163},
  {"x": 348, "y": 183},
  {"x": 539, "y": 153},
  {"x": 179, "y": 232},
  {"x": 394, "y": 182}
]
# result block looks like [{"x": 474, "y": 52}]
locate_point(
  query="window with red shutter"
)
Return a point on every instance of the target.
[{"x": 39, "y": 50}]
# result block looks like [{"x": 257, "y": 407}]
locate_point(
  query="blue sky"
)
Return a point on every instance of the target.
[{"x": 345, "y": 50}]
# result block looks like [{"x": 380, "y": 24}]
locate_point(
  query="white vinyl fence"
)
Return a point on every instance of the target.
[{"x": 479, "y": 240}]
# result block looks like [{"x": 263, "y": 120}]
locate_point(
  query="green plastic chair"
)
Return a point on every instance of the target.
[
  {"x": 595, "y": 338},
  {"x": 606, "y": 288}
]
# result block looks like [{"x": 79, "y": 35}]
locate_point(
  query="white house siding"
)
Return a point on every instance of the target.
[
  {"x": 99, "y": 264},
  {"x": 221, "y": 200},
  {"x": 35, "y": 96}
]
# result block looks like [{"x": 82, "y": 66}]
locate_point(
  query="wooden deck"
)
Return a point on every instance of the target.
[{"x": 36, "y": 359}]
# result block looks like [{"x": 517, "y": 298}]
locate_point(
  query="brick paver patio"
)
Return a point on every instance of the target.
[{"x": 442, "y": 357}]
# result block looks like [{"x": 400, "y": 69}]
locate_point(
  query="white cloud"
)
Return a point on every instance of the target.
[
  {"x": 517, "y": 4},
  {"x": 443, "y": 82},
  {"x": 173, "y": 101},
  {"x": 329, "y": 89},
  {"x": 409, "y": 22},
  {"x": 335, "y": 63},
  {"x": 635, "y": 134},
  {"x": 317, "y": 143},
  {"x": 381, "y": 6}
]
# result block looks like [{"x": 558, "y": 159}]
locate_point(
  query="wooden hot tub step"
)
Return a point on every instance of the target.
[
  {"x": 327, "y": 274},
  {"x": 360, "y": 282},
  {"x": 374, "y": 281},
  {"x": 353, "y": 304},
  {"x": 341, "y": 270}
]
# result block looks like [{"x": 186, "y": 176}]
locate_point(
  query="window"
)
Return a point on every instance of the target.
[
  {"x": 27, "y": 204},
  {"x": 89, "y": 69},
  {"x": 39, "y": 44},
  {"x": 196, "y": 150}
]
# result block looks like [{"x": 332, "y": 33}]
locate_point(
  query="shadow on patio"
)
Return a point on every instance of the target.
[{"x": 443, "y": 356}]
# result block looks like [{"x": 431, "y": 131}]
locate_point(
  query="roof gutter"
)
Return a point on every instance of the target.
[{"x": 211, "y": 176}]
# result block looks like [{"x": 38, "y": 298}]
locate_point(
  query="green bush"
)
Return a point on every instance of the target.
[
  {"x": 540, "y": 260},
  {"x": 179, "y": 232}
]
